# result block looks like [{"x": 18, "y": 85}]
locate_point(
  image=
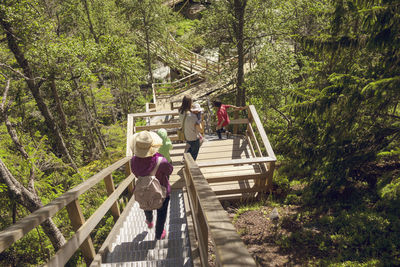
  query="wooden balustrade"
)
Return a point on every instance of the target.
[
  {"x": 178, "y": 86},
  {"x": 257, "y": 147},
  {"x": 70, "y": 200},
  {"x": 252, "y": 138},
  {"x": 210, "y": 219},
  {"x": 132, "y": 128}
]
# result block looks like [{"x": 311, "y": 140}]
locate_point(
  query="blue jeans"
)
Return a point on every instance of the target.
[{"x": 194, "y": 148}]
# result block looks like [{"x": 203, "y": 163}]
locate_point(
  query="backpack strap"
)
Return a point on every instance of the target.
[{"x": 154, "y": 171}]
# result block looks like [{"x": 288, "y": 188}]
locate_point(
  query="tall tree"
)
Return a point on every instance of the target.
[
  {"x": 235, "y": 24},
  {"x": 349, "y": 109},
  {"x": 33, "y": 83},
  {"x": 148, "y": 18},
  {"x": 25, "y": 196}
]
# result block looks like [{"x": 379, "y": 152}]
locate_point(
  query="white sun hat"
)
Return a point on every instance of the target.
[{"x": 196, "y": 107}]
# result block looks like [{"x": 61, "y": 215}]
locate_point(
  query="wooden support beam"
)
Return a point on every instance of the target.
[
  {"x": 260, "y": 184},
  {"x": 129, "y": 132},
  {"x": 128, "y": 172},
  {"x": 230, "y": 250},
  {"x": 154, "y": 114},
  {"x": 261, "y": 131},
  {"x": 235, "y": 162},
  {"x": 77, "y": 220},
  {"x": 270, "y": 175},
  {"x": 239, "y": 121},
  {"x": 158, "y": 126},
  {"x": 235, "y": 126},
  {"x": 255, "y": 177},
  {"x": 108, "y": 180},
  {"x": 194, "y": 246}
]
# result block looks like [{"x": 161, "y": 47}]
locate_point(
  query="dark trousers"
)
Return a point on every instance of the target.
[
  {"x": 220, "y": 131},
  {"x": 194, "y": 148},
  {"x": 161, "y": 217}
]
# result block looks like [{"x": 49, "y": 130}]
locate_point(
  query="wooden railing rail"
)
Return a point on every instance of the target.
[
  {"x": 69, "y": 200},
  {"x": 195, "y": 59},
  {"x": 257, "y": 150},
  {"x": 178, "y": 86},
  {"x": 210, "y": 219},
  {"x": 132, "y": 128}
]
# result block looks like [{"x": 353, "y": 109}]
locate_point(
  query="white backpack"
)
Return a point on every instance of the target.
[{"x": 149, "y": 193}]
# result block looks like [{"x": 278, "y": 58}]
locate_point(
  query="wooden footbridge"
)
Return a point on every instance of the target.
[{"x": 240, "y": 166}]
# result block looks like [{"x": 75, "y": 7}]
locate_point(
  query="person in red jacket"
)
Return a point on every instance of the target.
[{"x": 222, "y": 116}]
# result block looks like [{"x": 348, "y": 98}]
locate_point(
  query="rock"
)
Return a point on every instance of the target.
[
  {"x": 254, "y": 249},
  {"x": 274, "y": 215}
]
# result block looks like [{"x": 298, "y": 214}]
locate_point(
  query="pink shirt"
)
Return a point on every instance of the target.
[{"x": 222, "y": 114}]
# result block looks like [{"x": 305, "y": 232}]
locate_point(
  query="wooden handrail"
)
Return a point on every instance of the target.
[
  {"x": 211, "y": 219},
  {"x": 158, "y": 126},
  {"x": 153, "y": 114},
  {"x": 177, "y": 81},
  {"x": 261, "y": 131},
  {"x": 235, "y": 162},
  {"x": 66, "y": 251},
  {"x": 15, "y": 232}
]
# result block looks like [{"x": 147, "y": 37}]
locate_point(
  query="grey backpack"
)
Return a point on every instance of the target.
[{"x": 149, "y": 193}]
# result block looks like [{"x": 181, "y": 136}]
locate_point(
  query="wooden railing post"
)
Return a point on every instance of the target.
[
  {"x": 210, "y": 219},
  {"x": 129, "y": 132},
  {"x": 154, "y": 94},
  {"x": 131, "y": 186},
  {"x": 235, "y": 127},
  {"x": 191, "y": 62},
  {"x": 108, "y": 180},
  {"x": 271, "y": 168},
  {"x": 77, "y": 220}
]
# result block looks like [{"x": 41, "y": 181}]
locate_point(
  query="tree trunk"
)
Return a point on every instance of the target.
[
  {"x": 31, "y": 202},
  {"x": 34, "y": 88},
  {"x": 14, "y": 136},
  {"x": 146, "y": 32},
  {"x": 59, "y": 107},
  {"x": 240, "y": 6},
  {"x": 90, "y": 120},
  {"x": 91, "y": 28}
]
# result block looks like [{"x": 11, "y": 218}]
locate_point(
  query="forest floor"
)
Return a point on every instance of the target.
[
  {"x": 266, "y": 239},
  {"x": 263, "y": 236}
]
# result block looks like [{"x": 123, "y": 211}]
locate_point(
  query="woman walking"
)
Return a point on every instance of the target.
[
  {"x": 146, "y": 160},
  {"x": 191, "y": 126}
]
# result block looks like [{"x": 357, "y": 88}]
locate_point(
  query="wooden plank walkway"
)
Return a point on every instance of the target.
[{"x": 227, "y": 180}]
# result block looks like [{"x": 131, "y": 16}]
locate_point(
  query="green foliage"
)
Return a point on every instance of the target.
[
  {"x": 32, "y": 250},
  {"x": 185, "y": 31},
  {"x": 391, "y": 191},
  {"x": 355, "y": 237},
  {"x": 78, "y": 56}
]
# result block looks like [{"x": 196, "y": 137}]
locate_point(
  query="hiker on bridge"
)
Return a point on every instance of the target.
[
  {"x": 223, "y": 117},
  {"x": 191, "y": 126},
  {"x": 145, "y": 146}
]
